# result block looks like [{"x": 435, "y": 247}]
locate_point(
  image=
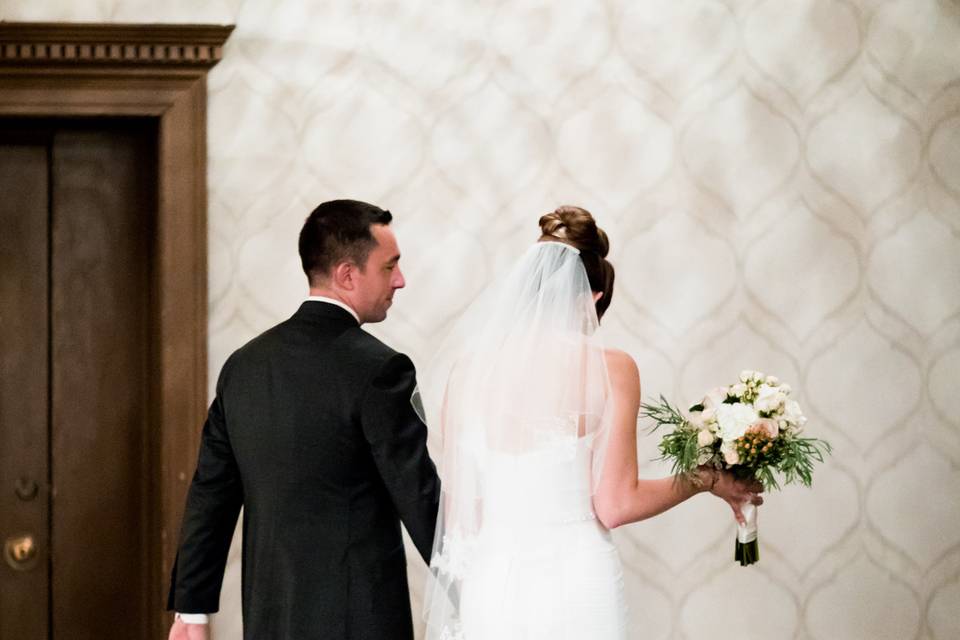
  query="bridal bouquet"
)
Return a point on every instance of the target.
[{"x": 751, "y": 428}]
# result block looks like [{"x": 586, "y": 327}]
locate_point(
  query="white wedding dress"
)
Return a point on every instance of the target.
[
  {"x": 520, "y": 393},
  {"x": 542, "y": 566}
]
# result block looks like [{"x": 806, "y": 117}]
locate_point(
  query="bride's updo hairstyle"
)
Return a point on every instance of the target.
[{"x": 576, "y": 227}]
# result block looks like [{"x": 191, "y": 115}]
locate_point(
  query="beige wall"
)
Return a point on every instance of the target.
[{"x": 781, "y": 181}]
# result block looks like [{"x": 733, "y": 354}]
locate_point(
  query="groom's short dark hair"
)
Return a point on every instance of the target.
[{"x": 338, "y": 231}]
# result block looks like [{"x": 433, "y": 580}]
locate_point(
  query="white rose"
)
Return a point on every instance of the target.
[
  {"x": 733, "y": 420},
  {"x": 738, "y": 390},
  {"x": 729, "y": 451},
  {"x": 768, "y": 399},
  {"x": 773, "y": 381},
  {"x": 785, "y": 389},
  {"x": 746, "y": 375},
  {"x": 705, "y": 438}
]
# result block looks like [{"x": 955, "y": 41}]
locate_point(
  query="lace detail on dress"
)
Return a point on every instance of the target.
[
  {"x": 454, "y": 558},
  {"x": 558, "y": 434}
]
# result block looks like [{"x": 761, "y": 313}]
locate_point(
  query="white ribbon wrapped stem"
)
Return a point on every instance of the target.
[{"x": 747, "y": 532}]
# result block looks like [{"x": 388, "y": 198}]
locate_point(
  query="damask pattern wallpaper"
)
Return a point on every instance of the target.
[{"x": 781, "y": 183}]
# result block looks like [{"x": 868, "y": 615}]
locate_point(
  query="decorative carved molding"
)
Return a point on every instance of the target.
[{"x": 112, "y": 44}]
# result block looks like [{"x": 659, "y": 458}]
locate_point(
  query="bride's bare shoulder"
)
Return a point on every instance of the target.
[{"x": 622, "y": 366}]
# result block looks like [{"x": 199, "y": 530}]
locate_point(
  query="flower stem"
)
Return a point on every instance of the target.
[{"x": 746, "y": 553}]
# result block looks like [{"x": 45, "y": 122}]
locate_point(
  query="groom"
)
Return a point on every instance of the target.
[{"x": 313, "y": 433}]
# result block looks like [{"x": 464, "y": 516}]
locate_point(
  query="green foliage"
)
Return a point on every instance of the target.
[
  {"x": 663, "y": 413},
  {"x": 680, "y": 445},
  {"x": 799, "y": 455}
]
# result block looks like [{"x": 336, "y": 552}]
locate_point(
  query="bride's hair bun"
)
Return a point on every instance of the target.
[{"x": 575, "y": 226}]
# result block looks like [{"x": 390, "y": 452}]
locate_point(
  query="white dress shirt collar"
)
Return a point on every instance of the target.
[{"x": 337, "y": 303}]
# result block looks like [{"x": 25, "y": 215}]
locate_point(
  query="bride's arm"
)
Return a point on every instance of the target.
[{"x": 622, "y": 497}]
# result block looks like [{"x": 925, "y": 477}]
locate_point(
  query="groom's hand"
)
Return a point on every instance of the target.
[
  {"x": 736, "y": 492},
  {"x": 183, "y": 631}
]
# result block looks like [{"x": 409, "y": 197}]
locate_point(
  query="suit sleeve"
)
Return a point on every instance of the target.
[
  {"x": 398, "y": 440},
  {"x": 213, "y": 504}
]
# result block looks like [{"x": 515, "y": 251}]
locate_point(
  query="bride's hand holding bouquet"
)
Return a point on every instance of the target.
[
  {"x": 750, "y": 430},
  {"x": 736, "y": 492}
]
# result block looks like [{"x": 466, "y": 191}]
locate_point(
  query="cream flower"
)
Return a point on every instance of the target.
[
  {"x": 792, "y": 412},
  {"x": 794, "y": 416},
  {"x": 729, "y": 451},
  {"x": 705, "y": 438},
  {"x": 715, "y": 397},
  {"x": 708, "y": 415}
]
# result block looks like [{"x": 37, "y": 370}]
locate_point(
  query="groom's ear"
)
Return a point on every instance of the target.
[{"x": 343, "y": 275}]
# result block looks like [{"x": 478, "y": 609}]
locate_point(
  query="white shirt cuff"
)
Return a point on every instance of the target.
[{"x": 194, "y": 618}]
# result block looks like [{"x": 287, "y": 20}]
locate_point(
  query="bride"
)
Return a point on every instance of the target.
[{"x": 538, "y": 428}]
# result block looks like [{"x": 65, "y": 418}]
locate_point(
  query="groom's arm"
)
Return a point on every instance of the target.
[
  {"x": 209, "y": 519},
  {"x": 398, "y": 440}
]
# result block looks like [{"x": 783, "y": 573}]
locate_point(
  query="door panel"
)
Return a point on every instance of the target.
[
  {"x": 77, "y": 210},
  {"x": 100, "y": 443},
  {"x": 24, "y": 406}
]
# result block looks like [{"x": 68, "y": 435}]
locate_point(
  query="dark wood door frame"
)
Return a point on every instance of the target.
[{"x": 155, "y": 71}]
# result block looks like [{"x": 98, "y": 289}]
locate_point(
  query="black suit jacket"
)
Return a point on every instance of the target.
[{"x": 313, "y": 433}]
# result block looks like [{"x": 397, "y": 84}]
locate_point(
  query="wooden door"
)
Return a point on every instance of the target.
[
  {"x": 24, "y": 387},
  {"x": 77, "y": 452}
]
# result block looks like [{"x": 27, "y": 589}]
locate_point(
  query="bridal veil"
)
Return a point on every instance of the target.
[{"x": 520, "y": 382}]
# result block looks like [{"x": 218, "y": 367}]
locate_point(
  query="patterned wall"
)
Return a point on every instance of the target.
[{"x": 781, "y": 181}]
